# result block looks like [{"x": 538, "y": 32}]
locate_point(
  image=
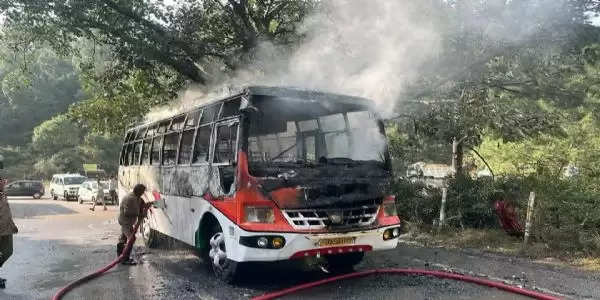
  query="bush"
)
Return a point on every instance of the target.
[
  {"x": 566, "y": 215},
  {"x": 416, "y": 202}
]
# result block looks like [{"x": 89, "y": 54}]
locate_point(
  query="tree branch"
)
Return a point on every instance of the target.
[{"x": 482, "y": 159}]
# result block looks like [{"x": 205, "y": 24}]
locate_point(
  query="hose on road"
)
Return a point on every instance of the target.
[
  {"x": 439, "y": 274},
  {"x": 98, "y": 273},
  {"x": 300, "y": 287}
]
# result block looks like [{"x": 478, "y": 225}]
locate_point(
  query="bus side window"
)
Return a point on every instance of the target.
[
  {"x": 210, "y": 113},
  {"x": 123, "y": 152},
  {"x": 146, "y": 152},
  {"x": 192, "y": 119},
  {"x": 185, "y": 152},
  {"x": 170, "y": 149},
  {"x": 177, "y": 124},
  {"x": 162, "y": 128},
  {"x": 226, "y": 143},
  {"x": 128, "y": 153},
  {"x": 137, "y": 150},
  {"x": 202, "y": 145},
  {"x": 141, "y": 133},
  {"x": 231, "y": 108},
  {"x": 155, "y": 153}
]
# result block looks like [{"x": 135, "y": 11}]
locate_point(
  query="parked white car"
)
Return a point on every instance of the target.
[
  {"x": 89, "y": 191},
  {"x": 66, "y": 186}
]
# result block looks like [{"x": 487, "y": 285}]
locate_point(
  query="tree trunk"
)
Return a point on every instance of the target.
[{"x": 457, "y": 156}]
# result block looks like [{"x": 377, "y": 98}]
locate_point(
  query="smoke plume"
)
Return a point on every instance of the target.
[{"x": 361, "y": 48}]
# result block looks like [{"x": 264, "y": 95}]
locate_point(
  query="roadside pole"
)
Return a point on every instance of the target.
[
  {"x": 529, "y": 217},
  {"x": 443, "y": 208}
]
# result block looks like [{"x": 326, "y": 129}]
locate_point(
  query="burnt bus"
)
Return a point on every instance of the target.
[{"x": 267, "y": 174}]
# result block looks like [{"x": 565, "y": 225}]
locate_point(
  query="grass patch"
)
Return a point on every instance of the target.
[{"x": 588, "y": 263}]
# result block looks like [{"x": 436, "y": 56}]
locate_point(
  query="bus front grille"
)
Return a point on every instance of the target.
[{"x": 314, "y": 219}]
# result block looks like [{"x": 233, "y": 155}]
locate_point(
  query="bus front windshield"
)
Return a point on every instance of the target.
[{"x": 352, "y": 136}]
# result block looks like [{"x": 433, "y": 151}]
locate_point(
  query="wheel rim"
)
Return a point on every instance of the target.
[
  {"x": 36, "y": 195},
  {"x": 217, "y": 253}
]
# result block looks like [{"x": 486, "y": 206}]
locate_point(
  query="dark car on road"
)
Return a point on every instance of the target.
[{"x": 33, "y": 188}]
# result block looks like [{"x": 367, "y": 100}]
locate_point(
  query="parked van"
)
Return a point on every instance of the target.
[{"x": 66, "y": 186}]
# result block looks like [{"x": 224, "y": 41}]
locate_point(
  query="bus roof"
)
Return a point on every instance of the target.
[{"x": 289, "y": 94}]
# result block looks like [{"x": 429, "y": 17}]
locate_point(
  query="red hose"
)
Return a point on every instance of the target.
[
  {"x": 439, "y": 274},
  {"x": 79, "y": 281},
  {"x": 277, "y": 294}
]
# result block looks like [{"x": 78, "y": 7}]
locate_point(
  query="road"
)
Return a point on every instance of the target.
[{"x": 59, "y": 242}]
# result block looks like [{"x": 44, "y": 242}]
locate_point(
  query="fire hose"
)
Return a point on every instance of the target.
[
  {"x": 418, "y": 272},
  {"x": 101, "y": 271},
  {"x": 300, "y": 287}
]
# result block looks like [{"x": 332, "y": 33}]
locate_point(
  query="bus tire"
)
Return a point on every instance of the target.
[
  {"x": 149, "y": 235},
  {"x": 344, "y": 262},
  {"x": 224, "y": 268}
]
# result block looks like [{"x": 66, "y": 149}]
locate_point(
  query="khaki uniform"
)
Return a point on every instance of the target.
[
  {"x": 129, "y": 212},
  {"x": 7, "y": 226},
  {"x": 112, "y": 190}
]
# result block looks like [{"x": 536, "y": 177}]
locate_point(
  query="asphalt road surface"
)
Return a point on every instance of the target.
[{"x": 59, "y": 242}]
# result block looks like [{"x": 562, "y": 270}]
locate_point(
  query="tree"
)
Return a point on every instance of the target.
[
  {"x": 48, "y": 86},
  {"x": 502, "y": 63},
  {"x": 146, "y": 34},
  {"x": 56, "y": 135},
  {"x": 103, "y": 150}
]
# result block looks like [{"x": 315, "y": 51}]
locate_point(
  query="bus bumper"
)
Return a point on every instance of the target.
[{"x": 299, "y": 245}]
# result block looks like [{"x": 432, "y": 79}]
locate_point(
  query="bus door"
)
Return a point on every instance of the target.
[{"x": 225, "y": 145}]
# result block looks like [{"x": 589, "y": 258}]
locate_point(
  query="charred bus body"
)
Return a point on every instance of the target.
[{"x": 267, "y": 174}]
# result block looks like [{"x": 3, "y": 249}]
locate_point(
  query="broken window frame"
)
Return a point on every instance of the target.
[
  {"x": 215, "y": 139},
  {"x": 156, "y": 149},
  {"x": 146, "y": 151}
]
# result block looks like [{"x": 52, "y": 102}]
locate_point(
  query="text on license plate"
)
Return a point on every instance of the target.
[{"x": 336, "y": 241}]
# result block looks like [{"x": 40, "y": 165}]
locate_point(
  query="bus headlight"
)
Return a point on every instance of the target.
[
  {"x": 278, "y": 242},
  {"x": 391, "y": 233},
  {"x": 259, "y": 214},
  {"x": 262, "y": 242}
]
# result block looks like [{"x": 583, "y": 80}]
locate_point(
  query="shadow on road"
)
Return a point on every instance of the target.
[{"x": 32, "y": 210}]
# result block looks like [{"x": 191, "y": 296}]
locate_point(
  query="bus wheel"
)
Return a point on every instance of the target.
[
  {"x": 224, "y": 268},
  {"x": 37, "y": 196},
  {"x": 344, "y": 262},
  {"x": 149, "y": 235}
]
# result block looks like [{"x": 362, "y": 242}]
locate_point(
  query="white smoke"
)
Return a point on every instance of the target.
[{"x": 356, "y": 47}]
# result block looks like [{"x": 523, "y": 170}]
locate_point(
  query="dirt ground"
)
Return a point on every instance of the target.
[{"x": 59, "y": 242}]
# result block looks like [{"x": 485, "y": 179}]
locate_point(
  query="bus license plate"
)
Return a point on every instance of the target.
[{"x": 336, "y": 241}]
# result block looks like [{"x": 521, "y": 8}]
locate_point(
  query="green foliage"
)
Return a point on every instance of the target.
[
  {"x": 103, "y": 150},
  {"x": 47, "y": 87},
  {"x": 64, "y": 161},
  {"x": 115, "y": 105},
  {"x": 18, "y": 162},
  {"x": 148, "y": 35},
  {"x": 548, "y": 155},
  {"x": 417, "y": 202},
  {"x": 55, "y": 135}
]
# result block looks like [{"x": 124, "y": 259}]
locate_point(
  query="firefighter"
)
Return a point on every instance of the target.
[
  {"x": 131, "y": 209},
  {"x": 7, "y": 226},
  {"x": 99, "y": 195},
  {"x": 112, "y": 189}
]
